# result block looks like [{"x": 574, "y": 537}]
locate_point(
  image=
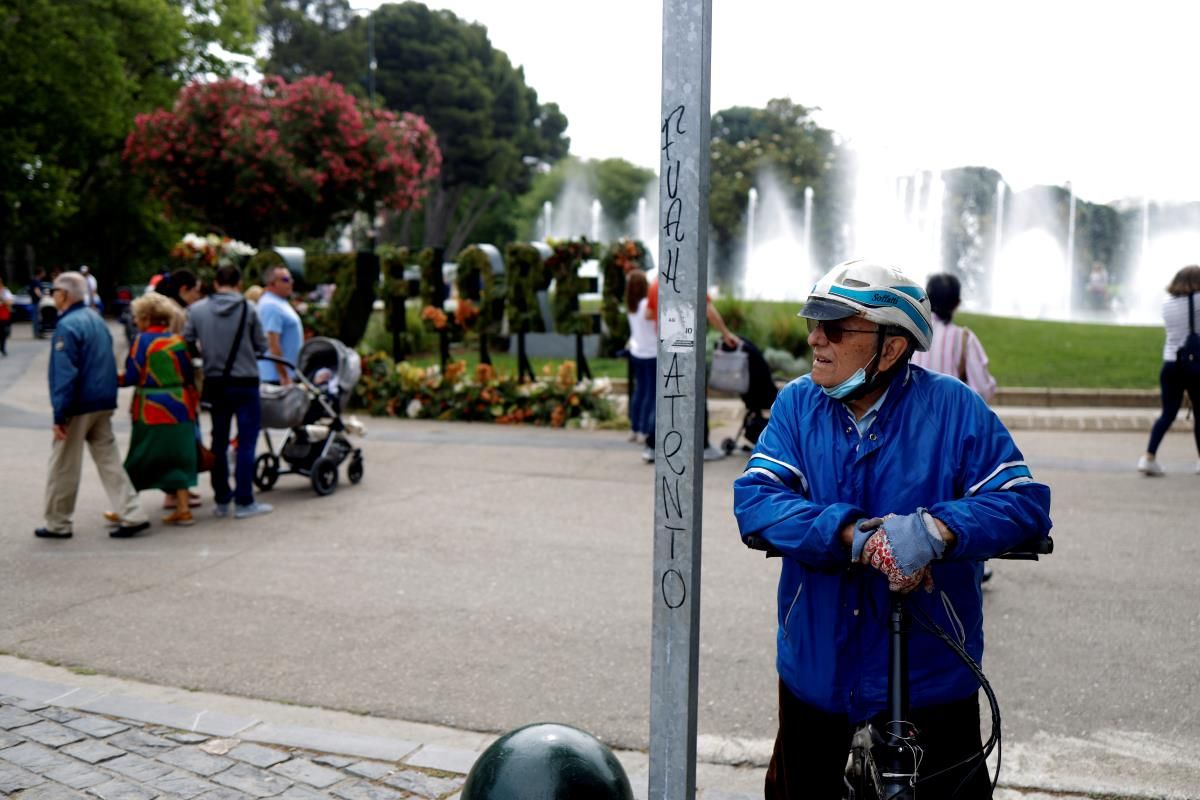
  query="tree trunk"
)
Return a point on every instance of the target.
[
  {"x": 470, "y": 219},
  {"x": 438, "y": 213}
]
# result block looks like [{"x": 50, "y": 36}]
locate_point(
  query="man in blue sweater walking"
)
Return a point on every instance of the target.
[{"x": 83, "y": 392}]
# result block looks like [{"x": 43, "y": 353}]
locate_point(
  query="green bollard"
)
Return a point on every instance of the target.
[{"x": 547, "y": 761}]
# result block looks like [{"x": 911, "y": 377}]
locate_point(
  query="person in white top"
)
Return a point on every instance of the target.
[
  {"x": 1172, "y": 378},
  {"x": 93, "y": 299},
  {"x": 643, "y": 352},
  {"x": 954, "y": 350}
]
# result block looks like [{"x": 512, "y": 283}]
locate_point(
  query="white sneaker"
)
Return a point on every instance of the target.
[
  {"x": 648, "y": 455},
  {"x": 713, "y": 454},
  {"x": 1149, "y": 467},
  {"x": 252, "y": 510},
  {"x": 221, "y": 510}
]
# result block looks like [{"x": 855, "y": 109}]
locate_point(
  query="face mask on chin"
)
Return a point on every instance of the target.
[{"x": 852, "y": 384}]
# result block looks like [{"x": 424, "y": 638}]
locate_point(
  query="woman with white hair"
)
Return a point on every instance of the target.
[{"x": 162, "y": 448}]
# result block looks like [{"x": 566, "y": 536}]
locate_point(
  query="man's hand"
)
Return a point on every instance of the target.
[
  {"x": 902, "y": 549},
  {"x": 60, "y": 433}
]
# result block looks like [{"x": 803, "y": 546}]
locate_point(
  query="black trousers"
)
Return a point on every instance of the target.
[
  {"x": 812, "y": 745},
  {"x": 1173, "y": 383}
]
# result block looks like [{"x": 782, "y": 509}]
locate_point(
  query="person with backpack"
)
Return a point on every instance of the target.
[
  {"x": 1181, "y": 363},
  {"x": 225, "y": 328}
]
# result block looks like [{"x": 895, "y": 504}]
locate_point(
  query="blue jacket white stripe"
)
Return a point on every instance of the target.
[{"x": 934, "y": 444}]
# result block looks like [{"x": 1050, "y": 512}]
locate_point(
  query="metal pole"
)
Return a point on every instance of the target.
[
  {"x": 679, "y": 420},
  {"x": 371, "y": 56}
]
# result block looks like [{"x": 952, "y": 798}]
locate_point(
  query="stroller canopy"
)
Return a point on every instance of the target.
[{"x": 321, "y": 352}]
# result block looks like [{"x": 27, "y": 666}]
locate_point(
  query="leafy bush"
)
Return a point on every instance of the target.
[{"x": 407, "y": 390}]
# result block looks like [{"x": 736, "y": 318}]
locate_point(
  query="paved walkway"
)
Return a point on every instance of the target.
[
  {"x": 67, "y": 736},
  {"x": 121, "y": 612}
]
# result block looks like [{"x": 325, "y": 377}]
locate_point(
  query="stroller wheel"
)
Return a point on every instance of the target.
[
  {"x": 728, "y": 445},
  {"x": 324, "y": 475},
  {"x": 355, "y": 471},
  {"x": 266, "y": 471}
]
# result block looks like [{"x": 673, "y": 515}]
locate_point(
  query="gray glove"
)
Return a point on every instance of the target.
[
  {"x": 863, "y": 529},
  {"x": 914, "y": 540}
]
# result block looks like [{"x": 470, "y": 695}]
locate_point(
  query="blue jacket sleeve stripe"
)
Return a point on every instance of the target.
[
  {"x": 782, "y": 471},
  {"x": 1005, "y": 476}
]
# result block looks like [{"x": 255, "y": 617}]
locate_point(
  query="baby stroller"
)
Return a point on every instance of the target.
[
  {"x": 758, "y": 397},
  {"x": 47, "y": 314},
  {"x": 311, "y": 409}
]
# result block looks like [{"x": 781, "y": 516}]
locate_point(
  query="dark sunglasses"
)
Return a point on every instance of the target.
[
  {"x": 284, "y": 278},
  {"x": 834, "y": 329}
]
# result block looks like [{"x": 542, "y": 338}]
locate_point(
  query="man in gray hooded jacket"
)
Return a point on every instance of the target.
[{"x": 225, "y": 328}]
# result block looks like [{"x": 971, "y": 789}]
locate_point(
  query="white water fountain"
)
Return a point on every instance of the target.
[
  {"x": 1070, "y": 263},
  {"x": 899, "y": 219},
  {"x": 594, "y": 229},
  {"x": 808, "y": 220},
  {"x": 775, "y": 264},
  {"x": 547, "y": 216},
  {"x": 998, "y": 241}
]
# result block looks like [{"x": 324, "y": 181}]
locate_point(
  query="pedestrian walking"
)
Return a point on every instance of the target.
[
  {"x": 83, "y": 392},
  {"x": 226, "y": 329},
  {"x": 281, "y": 324},
  {"x": 1180, "y": 318},
  {"x": 6, "y": 304},
  {"x": 93, "y": 299},
  {"x": 874, "y": 462},
  {"x": 162, "y": 448},
  {"x": 643, "y": 355},
  {"x": 184, "y": 288},
  {"x": 954, "y": 350},
  {"x": 731, "y": 340},
  {"x": 39, "y": 288}
]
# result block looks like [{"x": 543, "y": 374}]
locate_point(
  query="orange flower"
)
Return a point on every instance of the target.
[
  {"x": 435, "y": 316},
  {"x": 484, "y": 373},
  {"x": 455, "y": 370},
  {"x": 465, "y": 313},
  {"x": 558, "y": 417}
]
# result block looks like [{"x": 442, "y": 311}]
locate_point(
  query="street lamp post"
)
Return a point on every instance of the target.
[{"x": 371, "y": 57}]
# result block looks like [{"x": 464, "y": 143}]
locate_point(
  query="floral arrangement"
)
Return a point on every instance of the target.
[
  {"x": 257, "y": 159},
  {"x": 557, "y": 399},
  {"x": 527, "y": 276},
  {"x": 210, "y": 250},
  {"x": 435, "y": 317},
  {"x": 564, "y": 264}
]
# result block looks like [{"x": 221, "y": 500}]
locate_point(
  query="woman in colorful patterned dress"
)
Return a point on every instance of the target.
[{"x": 162, "y": 449}]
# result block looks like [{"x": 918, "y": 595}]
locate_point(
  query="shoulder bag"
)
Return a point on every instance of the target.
[
  {"x": 214, "y": 387},
  {"x": 1187, "y": 358}
]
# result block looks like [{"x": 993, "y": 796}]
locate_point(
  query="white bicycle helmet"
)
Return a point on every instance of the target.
[{"x": 881, "y": 294}]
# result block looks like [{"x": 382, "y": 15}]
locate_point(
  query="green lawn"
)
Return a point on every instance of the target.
[
  {"x": 1059, "y": 355},
  {"x": 1067, "y": 355}
]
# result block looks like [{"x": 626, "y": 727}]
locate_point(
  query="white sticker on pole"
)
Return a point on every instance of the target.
[{"x": 678, "y": 328}]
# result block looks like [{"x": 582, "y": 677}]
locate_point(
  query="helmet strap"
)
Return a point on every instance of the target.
[{"x": 875, "y": 378}]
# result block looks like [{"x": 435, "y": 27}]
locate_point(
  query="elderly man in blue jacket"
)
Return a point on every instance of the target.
[
  {"x": 83, "y": 392},
  {"x": 875, "y": 475}
]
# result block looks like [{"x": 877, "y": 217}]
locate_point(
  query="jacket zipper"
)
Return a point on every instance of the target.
[{"x": 788, "y": 615}]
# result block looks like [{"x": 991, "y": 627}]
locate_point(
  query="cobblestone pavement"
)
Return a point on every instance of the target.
[{"x": 51, "y": 753}]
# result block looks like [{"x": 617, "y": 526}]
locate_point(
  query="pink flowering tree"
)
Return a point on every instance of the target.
[{"x": 255, "y": 161}]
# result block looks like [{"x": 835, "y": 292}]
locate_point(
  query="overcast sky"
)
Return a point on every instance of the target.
[{"x": 1103, "y": 94}]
